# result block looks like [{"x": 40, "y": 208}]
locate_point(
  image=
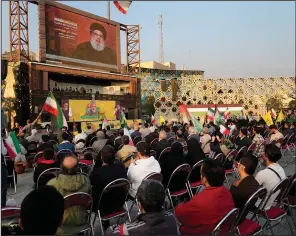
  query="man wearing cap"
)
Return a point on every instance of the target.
[{"x": 95, "y": 50}]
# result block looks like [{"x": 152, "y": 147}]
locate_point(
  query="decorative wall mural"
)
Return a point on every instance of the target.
[{"x": 192, "y": 88}]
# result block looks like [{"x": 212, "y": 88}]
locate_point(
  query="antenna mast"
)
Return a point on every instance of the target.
[{"x": 161, "y": 51}]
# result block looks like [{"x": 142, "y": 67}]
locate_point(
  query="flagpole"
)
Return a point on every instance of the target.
[{"x": 108, "y": 9}]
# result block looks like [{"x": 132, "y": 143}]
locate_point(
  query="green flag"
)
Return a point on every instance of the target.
[
  {"x": 217, "y": 118},
  {"x": 197, "y": 125},
  {"x": 123, "y": 120}
]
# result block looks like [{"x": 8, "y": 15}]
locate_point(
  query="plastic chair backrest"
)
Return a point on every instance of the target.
[
  {"x": 10, "y": 212},
  {"x": 179, "y": 177},
  {"x": 259, "y": 194},
  {"x": 164, "y": 152},
  {"x": 194, "y": 174},
  {"x": 93, "y": 139},
  {"x": 139, "y": 143},
  {"x": 171, "y": 140},
  {"x": 155, "y": 176},
  {"x": 137, "y": 140},
  {"x": 62, "y": 154},
  {"x": 252, "y": 147},
  {"x": 281, "y": 189},
  {"x": 37, "y": 156},
  {"x": 78, "y": 199},
  {"x": 85, "y": 168},
  {"x": 241, "y": 152},
  {"x": 154, "y": 141},
  {"x": 114, "y": 195},
  {"x": 227, "y": 223},
  {"x": 47, "y": 175},
  {"x": 219, "y": 157}
]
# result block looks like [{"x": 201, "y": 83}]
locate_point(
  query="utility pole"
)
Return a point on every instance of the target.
[
  {"x": 161, "y": 51},
  {"x": 108, "y": 9}
]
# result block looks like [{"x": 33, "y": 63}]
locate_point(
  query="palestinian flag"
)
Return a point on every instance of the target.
[
  {"x": 51, "y": 106},
  {"x": 122, "y": 5},
  {"x": 184, "y": 113},
  {"x": 224, "y": 130},
  {"x": 12, "y": 145},
  {"x": 210, "y": 115}
]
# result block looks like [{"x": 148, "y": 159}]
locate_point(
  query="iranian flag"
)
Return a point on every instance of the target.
[
  {"x": 153, "y": 120},
  {"x": 122, "y": 5},
  {"x": 51, "y": 106},
  {"x": 211, "y": 114},
  {"x": 125, "y": 130},
  {"x": 227, "y": 114},
  {"x": 105, "y": 123},
  {"x": 224, "y": 130},
  {"x": 273, "y": 113},
  {"x": 12, "y": 145},
  {"x": 217, "y": 118}
]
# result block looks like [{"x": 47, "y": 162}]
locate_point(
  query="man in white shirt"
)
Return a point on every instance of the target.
[
  {"x": 80, "y": 136},
  {"x": 141, "y": 167},
  {"x": 272, "y": 174},
  {"x": 276, "y": 135}
]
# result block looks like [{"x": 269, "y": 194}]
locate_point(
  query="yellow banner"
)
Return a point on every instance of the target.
[{"x": 90, "y": 110}]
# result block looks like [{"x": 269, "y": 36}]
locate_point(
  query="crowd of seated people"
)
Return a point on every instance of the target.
[{"x": 111, "y": 156}]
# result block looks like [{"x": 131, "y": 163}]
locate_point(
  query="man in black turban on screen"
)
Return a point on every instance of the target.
[{"x": 95, "y": 49}]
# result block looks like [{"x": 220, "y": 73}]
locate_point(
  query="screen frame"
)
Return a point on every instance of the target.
[{"x": 42, "y": 31}]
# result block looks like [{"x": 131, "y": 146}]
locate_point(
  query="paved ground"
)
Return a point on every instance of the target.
[{"x": 25, "y": 182}]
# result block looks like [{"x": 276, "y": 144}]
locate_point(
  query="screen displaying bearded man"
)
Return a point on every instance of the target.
[{"x": 95, "y": 49}]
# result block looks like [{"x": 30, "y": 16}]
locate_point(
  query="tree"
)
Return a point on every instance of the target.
[
  {"x": 274, "y": 103},
  {"x": 148, "y": 105},
  {"x": 292, "y": 104},
  {"x": 22, "y": 93}
]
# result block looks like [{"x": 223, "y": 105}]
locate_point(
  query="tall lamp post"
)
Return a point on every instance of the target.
[{"x": 108, "y": 9}]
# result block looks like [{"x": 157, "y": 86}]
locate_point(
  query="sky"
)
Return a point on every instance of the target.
[{"x": 225, "y": 39}]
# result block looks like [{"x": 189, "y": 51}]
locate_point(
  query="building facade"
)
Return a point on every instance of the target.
[{"x": 173, "y": 87}]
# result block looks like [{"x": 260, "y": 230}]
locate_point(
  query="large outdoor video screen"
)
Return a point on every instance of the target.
[{"x": 79, "y": 40}]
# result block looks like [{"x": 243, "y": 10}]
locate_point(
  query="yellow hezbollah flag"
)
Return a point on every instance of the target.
[
  {"x": 161, "y": 120},
  {"x": 280, "y": 116},
  {"x": 267, "y": 118}
]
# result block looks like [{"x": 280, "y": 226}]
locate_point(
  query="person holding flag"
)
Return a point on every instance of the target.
[
  {"x": 268, "y": 119},
  {"x": 217, "y": 117},
  {"x": 123, "y": 123},
  {"x": 227, "y": 114},
  {"x": 51, "y": 106}
]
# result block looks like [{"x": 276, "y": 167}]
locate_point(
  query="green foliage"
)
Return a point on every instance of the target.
[
  {"x": 292, "y": 104},
  {"x": 274, "y": 103},
  {"x": 148, "y": 105},
  {"x": 22, "y": 93}
]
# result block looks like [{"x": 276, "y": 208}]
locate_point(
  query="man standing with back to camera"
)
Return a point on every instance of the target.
[{"x": 95, "y": 50}]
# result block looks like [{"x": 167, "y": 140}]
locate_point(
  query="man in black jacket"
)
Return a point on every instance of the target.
[
  {"x": 161, "y": 144},
  {"x": 153, "y": 220},
  {"x": 45, "y": 144},
  {"x": 104, "y": 174},
  {"x": 45, "y": 162}
]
